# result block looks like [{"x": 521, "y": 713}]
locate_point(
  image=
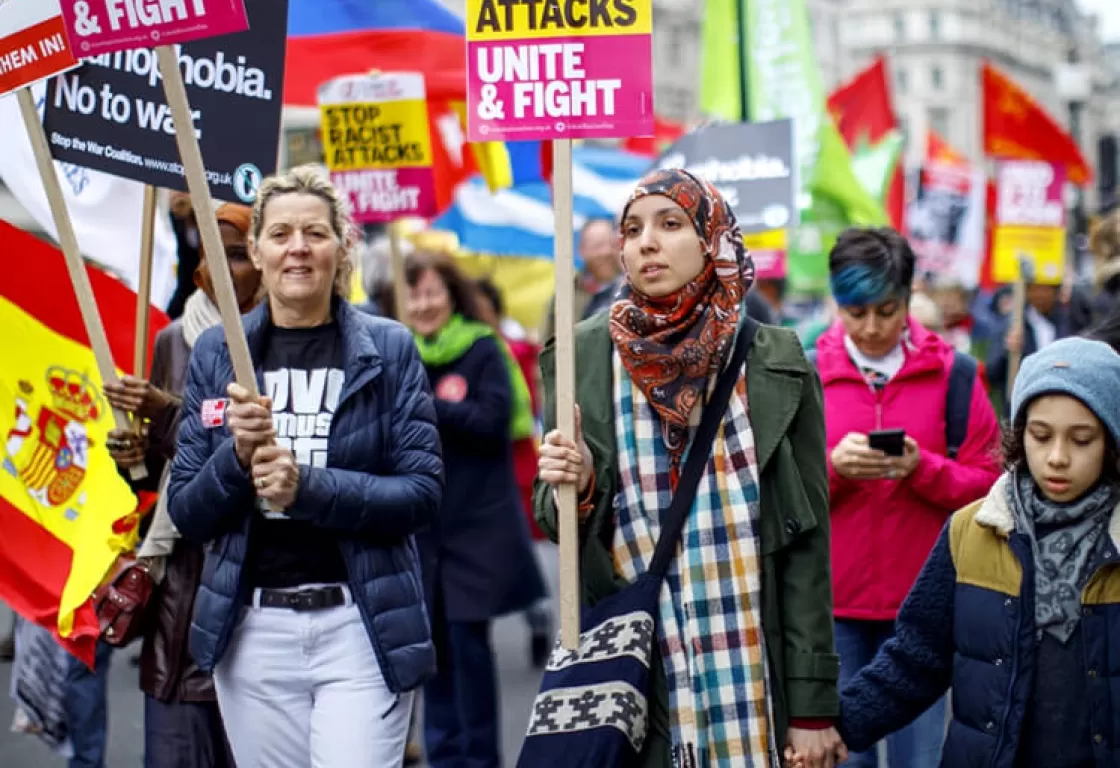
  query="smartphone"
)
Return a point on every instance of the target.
[{"x": 890, "y": 441}]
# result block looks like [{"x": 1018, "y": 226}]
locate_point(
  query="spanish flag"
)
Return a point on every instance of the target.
[{"x": 65, "y": 512}]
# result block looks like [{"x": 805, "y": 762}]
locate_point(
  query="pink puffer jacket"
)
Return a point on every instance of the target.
[{"x": 883, "y": 530}]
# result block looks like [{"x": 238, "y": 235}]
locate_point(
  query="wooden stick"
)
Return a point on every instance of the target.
[
  {"x": 144, "y": 289},
  {"x": 564, "y": 262},
  {"x": 400, "y": 285},
  {"x": 1018, "y": 310},
  {"x": 91, "y": 316},
  {"x": 203, "y": 204}
]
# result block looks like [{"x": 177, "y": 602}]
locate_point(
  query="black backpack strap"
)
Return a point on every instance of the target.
[
  {"x": 958, "y": 402},
  {"x": 672, "y": 523}
]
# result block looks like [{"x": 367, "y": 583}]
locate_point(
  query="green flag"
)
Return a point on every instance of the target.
[{"x": 784, "y": 80}]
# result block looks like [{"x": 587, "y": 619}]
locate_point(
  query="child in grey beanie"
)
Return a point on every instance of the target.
[{"x": 1081, "y": 368}]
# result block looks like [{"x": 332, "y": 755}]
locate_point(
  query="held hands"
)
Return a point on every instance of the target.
[
  {"x": 855, "y": 459},
  {"x": 814, "y": 748},
  {"x": 563, "y": 461},
  {"x": 250, "y": 421},
  {"x": 136, "y": 396}
]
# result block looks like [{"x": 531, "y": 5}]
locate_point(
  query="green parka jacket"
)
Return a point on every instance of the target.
[{"x": 787, "y": 417}]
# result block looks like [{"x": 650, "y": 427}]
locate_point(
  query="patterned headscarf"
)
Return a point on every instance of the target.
[{"x": 672, "y": 345}]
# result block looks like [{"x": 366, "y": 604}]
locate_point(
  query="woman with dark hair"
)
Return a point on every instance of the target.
[
  {"x": 478, "y": 562},
  {"x": 882, "y": 371},
  {"x": 182, "y": 725},
  {"x": 1017, "y": 608}
]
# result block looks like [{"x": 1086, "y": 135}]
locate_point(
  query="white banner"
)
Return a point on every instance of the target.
[{"x": 105, "y": 210}]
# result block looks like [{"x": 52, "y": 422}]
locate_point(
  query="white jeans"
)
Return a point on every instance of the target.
[{"x": 304, "y": 690}]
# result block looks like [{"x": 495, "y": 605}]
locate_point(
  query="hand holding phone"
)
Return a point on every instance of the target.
[{"x": 892, "y": 442}]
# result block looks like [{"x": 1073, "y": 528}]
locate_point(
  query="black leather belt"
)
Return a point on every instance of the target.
[{"x": 316, "y": 599}]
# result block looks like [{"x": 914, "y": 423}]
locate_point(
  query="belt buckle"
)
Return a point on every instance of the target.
[{"x": 304, "y": 600}]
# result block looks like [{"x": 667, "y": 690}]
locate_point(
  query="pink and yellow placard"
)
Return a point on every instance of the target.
[
  {"x": 541, "y": 70},
  {"x": 378, "y": 146}
]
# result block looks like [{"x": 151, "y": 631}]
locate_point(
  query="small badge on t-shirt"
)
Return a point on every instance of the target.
[
  {"x": 452, "y": 388},
  {"x": 214, "y": 412}
]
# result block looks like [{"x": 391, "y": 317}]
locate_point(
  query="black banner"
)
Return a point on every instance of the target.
[
  {"x": 110, "y": 115},
  {"x": 752, "y": 166}
]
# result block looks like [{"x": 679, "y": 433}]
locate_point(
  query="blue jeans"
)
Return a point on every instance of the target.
[
  {"x": 87, "y": 709},
  {"x": 918, "y": 745},
  {"x": 461, "y": 701}
]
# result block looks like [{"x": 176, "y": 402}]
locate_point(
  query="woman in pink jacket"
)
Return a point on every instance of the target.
[{"x": 883, "y": 371}]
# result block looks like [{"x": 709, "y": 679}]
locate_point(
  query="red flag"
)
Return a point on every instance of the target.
[
  {"x": 665, "y": 132},
  {"x": 863, "y": 113},
  {"x": 1016, "y": 127},
  {"x": 939, "y": 151}
]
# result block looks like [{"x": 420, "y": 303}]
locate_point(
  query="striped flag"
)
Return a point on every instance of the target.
[{"x": 65, "y": 512}]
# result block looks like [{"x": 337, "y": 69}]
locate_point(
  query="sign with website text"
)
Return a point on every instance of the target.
[
  {"x": 105, "y": 26},
  {"x": 111, "y": 115},
  {"x": 752, "y": 165},
  {"x": 539, "y": 70},
  {"x": 33, "y": 43},
  {"x": 1030, "y": 221},
  {"x": 377, "y": 144}
]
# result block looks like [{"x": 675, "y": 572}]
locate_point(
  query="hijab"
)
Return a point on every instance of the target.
[{"x": 672, "y": 345}]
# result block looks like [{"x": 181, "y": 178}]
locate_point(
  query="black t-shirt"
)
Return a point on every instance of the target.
[{"x": 303, "y": 376}]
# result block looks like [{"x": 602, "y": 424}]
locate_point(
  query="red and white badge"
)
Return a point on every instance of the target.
[
  {"x": 452, "y": 388},
  {"x": 214, "y": 412}
]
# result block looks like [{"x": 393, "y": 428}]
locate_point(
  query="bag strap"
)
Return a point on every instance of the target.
[
  {"x": 958, "y": 402},
  {"x": 672, "y": 523}
]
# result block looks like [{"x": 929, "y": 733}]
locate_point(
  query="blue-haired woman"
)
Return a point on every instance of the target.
[{"x": 881, "y": 370}]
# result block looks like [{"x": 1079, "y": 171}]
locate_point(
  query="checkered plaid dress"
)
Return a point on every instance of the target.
[{"x": 709, "y": 624}]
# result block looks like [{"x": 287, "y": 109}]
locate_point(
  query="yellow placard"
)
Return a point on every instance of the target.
[
  {"x": 497, "y": 20},
  {"x": 391, "y": 134},
  {"x": 772, "y": 240},
  {"x": 1045, "y": 247}
]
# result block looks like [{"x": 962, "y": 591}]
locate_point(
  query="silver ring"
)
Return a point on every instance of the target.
[{"x": 260, "y": 482}]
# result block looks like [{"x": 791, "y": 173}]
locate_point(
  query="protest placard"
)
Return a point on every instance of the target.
[
  {"x": 111, "y": 115},
  {"x": 555, "y": 70},
  {"x": 104, "y": 26},
  {"x": 1030, "y": 221},
  {"x": 377, "y": 143},
  {"x": 752, "y": 165},
  {"x": 33, "y": 43},
  {"x": 945, "y": 221}
]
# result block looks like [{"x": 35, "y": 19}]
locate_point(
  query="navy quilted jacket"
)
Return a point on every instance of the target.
[
  {"x": 382, "y": 483},
  {"x": 968, "y": 624}
]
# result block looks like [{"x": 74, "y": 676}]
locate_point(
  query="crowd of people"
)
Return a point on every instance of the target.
[{"x": 869, "y": 554}]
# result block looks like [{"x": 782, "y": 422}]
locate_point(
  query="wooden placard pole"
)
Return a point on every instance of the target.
[
  {"x": 144, "y": 289},
  {"x": 400, "y": 284},
  {"x": 564, "y": 261},
  {"x": 195, "y": 172},
  {"x": 91, "y": 316},
  {"x": 1018, "y": 317}
]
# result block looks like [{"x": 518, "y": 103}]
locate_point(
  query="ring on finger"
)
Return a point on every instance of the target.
[{"x": 260, "y": 482}]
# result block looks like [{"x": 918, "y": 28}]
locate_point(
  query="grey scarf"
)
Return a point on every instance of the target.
[{"x": 1064, "y": 554}]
